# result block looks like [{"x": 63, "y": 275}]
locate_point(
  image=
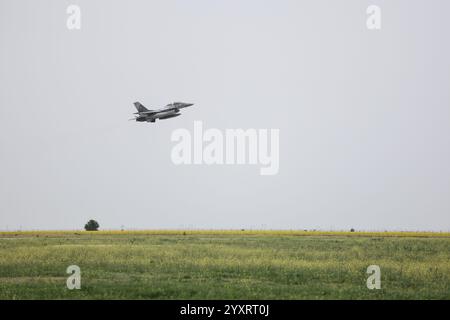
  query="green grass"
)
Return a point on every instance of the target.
[{"x": 223, "y": 265}]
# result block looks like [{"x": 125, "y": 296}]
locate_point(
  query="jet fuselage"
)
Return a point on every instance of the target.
[{"x": 170, "y": 111}]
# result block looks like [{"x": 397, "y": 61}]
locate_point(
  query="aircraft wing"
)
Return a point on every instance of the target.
[
  {"x": 167, "y": 108},
  {"x": 147, "y": 112}
]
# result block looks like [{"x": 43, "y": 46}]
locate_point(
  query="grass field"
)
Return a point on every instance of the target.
[{"x": 173, "y": 264}]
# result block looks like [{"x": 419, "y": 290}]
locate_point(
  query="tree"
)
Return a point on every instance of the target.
[{"x": 92, "y": 225}]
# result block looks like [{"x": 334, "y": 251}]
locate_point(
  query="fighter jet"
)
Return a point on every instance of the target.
[{"x": 170, "y": 111}]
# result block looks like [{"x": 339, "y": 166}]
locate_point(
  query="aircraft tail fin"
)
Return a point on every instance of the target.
[{"x": 140, "y": 107}]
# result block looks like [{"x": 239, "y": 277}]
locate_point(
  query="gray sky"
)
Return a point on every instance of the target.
[{"x": 364, "y": 116}]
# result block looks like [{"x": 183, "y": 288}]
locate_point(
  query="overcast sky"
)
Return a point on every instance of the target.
[{"x": 364, "y": 115}]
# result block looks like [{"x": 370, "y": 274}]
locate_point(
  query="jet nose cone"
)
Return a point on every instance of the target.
[{"x": 188, "y": 104}]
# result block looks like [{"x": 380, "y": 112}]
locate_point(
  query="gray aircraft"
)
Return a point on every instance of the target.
[{"x": 170, "y": 111}]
